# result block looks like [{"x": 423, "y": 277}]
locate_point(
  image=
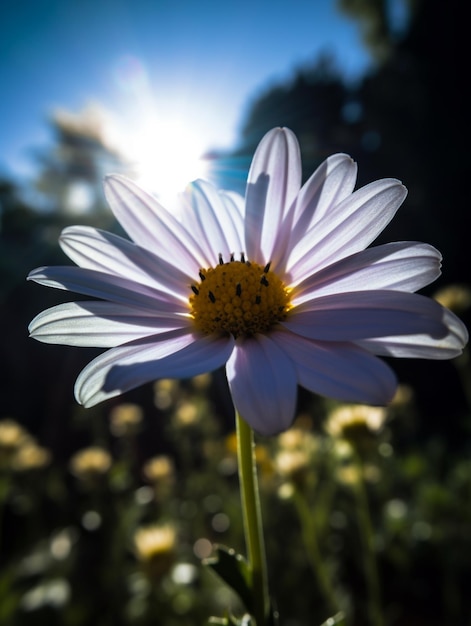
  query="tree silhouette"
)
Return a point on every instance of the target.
[
  {"x": 72, "y": 173},
  {"x": 408, "y": 118}
]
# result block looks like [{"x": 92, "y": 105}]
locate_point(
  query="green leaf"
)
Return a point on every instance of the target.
[
  {"x": 336, "y": 620},
  {"x": 234, "y": 571}
]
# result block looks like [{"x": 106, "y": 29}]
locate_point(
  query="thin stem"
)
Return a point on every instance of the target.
[
  {"x": 309, "y": 533},
  {"x": 252, "y": 515},
  {"x": 369, "y": 552}
]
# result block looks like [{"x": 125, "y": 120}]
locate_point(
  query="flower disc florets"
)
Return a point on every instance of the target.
[{"x": 238, "y": 297}]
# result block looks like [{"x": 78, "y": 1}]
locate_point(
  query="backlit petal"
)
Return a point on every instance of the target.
[
  {"x": 208, "y": 216},
  {"x": 179, "y": 354},
  {"x": 273, "y": 182},
  {"x": 107, "y": 287},
  {"x": 402, "y": 266},
  {"x": 332, "y": 182},
  {"x": 100, "y": 324},
  {"x": 365, "y": 314},
  {"x": 338, "y": 370},
  {"x": 422, "y": 346},
  {"x": 102, "y": 251},
  {"x": 151, "y": 226},
  {"x": 262, "y": 380},
  {"x": 347, "y": 229}
]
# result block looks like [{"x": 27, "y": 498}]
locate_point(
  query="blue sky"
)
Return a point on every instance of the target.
[{"x": 198, "y": 61}]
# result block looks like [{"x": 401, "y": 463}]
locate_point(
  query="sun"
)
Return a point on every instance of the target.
[{"x": 165, "y": 154}]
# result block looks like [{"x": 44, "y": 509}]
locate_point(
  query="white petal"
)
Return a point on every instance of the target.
[
  {"x": 208, "y": 216},
  {"x": 338, "y": 370},
  {"x": 107, "y": 287},
  {"x": 423, "y": 346},
  {"x": 263, "y": 384},
  {"x": 401, "y": 266},
  {"x": 332, "y": 182},
  {"x": 273, "y": 183},
  {"x": 350, "y": 227},
  {"x": 235, "y": 204},
  {"x": 366, "y": 314},
  {"x": 99, "y": 324},
  {"x": 151, "y": 226},
  {"x": 235, "y": 210},
  {"x": 102, "y": 251},
  {"x": 178, "y": 354}
]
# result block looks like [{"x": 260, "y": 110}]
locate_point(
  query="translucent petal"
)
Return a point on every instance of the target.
[
  {"x": 151, "y": 226},
  {"x": 332, "y": 182},
  {"x": 108, "y": 287},
  {"x": 338, "y": 370},
  {"x": 347, "y": 229},
  {"x": 263, "y": 384},
  {"x": 208, "y": 216},
  {"x": 365, "y": 314},
  {"x": 273, "y": 183},
  {"x": 235, "y": 209},
  {"x": 402, "y": 266},
  {"x": 177, "y": 354},
  {"x": 102, "y": 251},
  {"x": 236, "y": 204},
  {"x": 422, "y": 346},
  {"x": 99, "y": 324}
]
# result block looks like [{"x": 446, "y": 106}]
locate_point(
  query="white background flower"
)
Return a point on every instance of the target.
[{"x": 347, "y": 302}]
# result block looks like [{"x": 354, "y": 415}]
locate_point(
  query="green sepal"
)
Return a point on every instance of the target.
[
  {"x": 336, "y": 620},
  {"x": 234, "y": 571}
]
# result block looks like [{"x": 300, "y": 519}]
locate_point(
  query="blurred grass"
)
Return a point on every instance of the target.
[{"x": 115, "y": 535}]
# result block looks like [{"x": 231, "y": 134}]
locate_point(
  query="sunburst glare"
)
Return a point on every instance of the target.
[{"x": 165, "y": 153}]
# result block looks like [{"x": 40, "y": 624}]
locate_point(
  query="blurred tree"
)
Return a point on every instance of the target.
[
  {"x": 408, "y": 118},
  {"x": 18, "y": 236},
  {"x": 416, "y": 106},
  {"x": 381, "y": 21},
  {"x": 70, "y": 178},
  {"x": 311, "y": 104},
  {"x": 72, "y": 173},
  {"x": 319, "y": 94}
]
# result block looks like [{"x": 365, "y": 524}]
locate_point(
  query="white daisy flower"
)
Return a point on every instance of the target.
[{"x": 281, "y": 289}]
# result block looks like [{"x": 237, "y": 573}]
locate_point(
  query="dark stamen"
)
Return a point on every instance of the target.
[
  {"x": 264, "y": 281},
  {"x": 202, "y": 276},
  {"x": 257, "y": 299},
  {"x": 238, "y": 289},
  {"x": 195, "y": 290},
  {"x": 242, "y": 257},
  {"x": 266, "y": 269},
  {"x": 232, "y": 257},
  {"x": 221, "y": 260},
  {"x": 211, "y": 296}
]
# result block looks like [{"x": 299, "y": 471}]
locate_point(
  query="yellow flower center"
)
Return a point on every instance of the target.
[{"x": 238, "y": 297}]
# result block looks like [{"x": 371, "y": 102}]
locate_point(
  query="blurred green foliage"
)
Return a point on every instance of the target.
[{"x": 115, "y": 535}]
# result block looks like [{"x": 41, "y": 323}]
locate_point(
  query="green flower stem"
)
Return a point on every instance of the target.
[
  {"x": 309, "y": 534},
  {"x": 369, "y": 552},
  {"x": 252, "y": 520}
]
